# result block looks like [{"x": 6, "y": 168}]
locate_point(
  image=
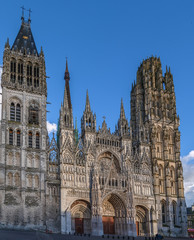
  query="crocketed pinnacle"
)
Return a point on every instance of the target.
[
  {"x": 87, "y": 108},
  {"x": 122, "y": 111}
]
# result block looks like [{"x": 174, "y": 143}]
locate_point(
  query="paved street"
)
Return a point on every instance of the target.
[{"x": 27, "y": 235}]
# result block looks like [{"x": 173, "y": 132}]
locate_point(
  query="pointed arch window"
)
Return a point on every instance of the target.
[
  {"x": 30, "y": 139},
  {"x": 163, "y": 213},
  {"x": 33, "y": 115},
  {"x": 29, "y": 74},
  {"x": 18, "y": 138},
  {"x": 20, "y": 72},
  {"x": 13, "y": 70},
  {"x": 36, "y": 76},
  {"x": 10, "y": 179},
  {"x": 10, "y": 136},
  {"x": 37, "y": 140},
  {"x": 12, "y": 112},
  {"x": 174, "y": 212},
  {"x": 18, "y": 113}
]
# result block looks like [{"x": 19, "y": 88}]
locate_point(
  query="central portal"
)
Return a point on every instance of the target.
[
  {"x": 114, "y": 215},
  {"x": 108, "y": 225},
  {"x": 79, "y": 226}
]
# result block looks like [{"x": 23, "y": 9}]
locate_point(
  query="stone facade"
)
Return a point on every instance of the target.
[{"x": 129, "y": 182}]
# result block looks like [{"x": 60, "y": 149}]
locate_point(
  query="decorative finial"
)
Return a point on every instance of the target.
[
  {"x": 104, "y": 118},
  {"x": 29, "y": 18},
  {"x": 22, "y": 18}
]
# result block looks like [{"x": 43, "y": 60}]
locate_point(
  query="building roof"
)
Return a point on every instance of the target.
[{"x": 24, "y": 40}]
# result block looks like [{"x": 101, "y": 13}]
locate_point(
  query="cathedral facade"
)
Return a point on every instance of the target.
[{"x": 128, "y": 183}]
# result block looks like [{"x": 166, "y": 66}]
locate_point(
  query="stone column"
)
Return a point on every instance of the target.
[{"x": 97, "y": 226}]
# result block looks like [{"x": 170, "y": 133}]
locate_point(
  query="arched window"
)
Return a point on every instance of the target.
[
  {"x": 29, "y": 180},
  {"x": 163, "y": 213},
  {"x": 17, "y": 180},
  {"x": 20, "y": 72},
  {"x": 29, "y": 74},
  {"x": 33, "y": 115},
  {"x": 12, "y": 112},
  {"x": 10, "y": 179},
  {"x": 174, "y": 212},
  {"x": 30, "y": 139},
  {"x": 18, "y": 138},
  {"x": 13, "y": 70},
  {"x": 18, "y": 113},
  {"x": 10, "y": 136},
  {"x": 36, "y": 76},
  {"x": 37, "y": 140},
  {"x": 36, "y": 181}
]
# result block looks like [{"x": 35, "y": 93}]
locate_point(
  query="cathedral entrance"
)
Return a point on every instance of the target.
[
  {"x": 79, "y": 226},
  {"x": 108, "y": 225},
  {"x": 81, "y": 217},
  {"x": 142, "y": 221},
  {"x": 114, "y": 215}
]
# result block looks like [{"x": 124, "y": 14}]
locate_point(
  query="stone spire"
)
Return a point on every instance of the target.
[
  {"x": 88, "y": 121},
  {"x": 87, "y": 107},
  {"x": 122, "y": 111},
  {"x": 67, "y": 96},
  {"x": 66, "y": 110},
  {"x": 123, "y": 127}
]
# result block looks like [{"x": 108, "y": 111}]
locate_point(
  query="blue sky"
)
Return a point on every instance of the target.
[{"x": 105, "y": 42}]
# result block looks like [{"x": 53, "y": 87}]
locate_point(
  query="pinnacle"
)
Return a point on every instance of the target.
[
  {"x": 87, "y": 108},
  {"x": 122, "y": 111}
]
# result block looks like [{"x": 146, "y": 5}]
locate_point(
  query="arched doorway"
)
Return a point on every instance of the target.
[
  {"x": 142, "y": 221},
  {"x": 81, "y": 217},
  {"x": 114, "y": 215}
]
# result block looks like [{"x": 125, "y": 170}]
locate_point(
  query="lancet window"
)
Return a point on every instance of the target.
[
  {"x": 18, "y": 138},
  {"x": 36, "y": 76},
  {"x": 29, "y": 74},
  {"x": 13, "y": 71},
  {"x": 20, "y": 72}
]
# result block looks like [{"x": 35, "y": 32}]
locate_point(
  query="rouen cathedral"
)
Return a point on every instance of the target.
[{"x": 129, "y": 182}]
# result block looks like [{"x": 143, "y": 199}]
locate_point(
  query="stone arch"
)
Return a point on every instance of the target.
[
  {"x": 81, "y": 216},
  {"x": 114, "y": 215},
  {"x": 142, "y": 220},
  {"x": 109, "y": 154}
]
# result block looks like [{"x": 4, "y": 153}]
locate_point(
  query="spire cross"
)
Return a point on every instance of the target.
[
  {"x": 30, "y": 11},
  {"x": 23, "y": 11}
]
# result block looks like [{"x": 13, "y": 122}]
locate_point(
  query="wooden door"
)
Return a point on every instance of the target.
[
  {"x": 79, "y": 225},
  {"x": 108, "y": 225},
  {"x": 137, "y": 228}
]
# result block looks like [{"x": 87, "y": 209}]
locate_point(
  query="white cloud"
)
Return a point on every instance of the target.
[
  {"x": 188, "y": 167},
  {"x": 51, "y": 127}
]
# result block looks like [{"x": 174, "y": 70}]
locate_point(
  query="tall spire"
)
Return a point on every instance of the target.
[
  {"x": 67, "y": 77},
  {"x": 67, "y": 97},
  {"x": 87, "y": 108},
  {"x": 122, "y": 111}
]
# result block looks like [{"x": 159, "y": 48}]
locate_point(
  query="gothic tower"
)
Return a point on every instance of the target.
[
  {"x": 155, "y": 123},
  {"x": 23, "y": 133}
]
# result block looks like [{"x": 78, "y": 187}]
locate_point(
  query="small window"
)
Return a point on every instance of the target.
[
  {"x": 37, "y": 140},
  {"x": 30, "y": 139},
  {"x": 18, "y": 138},
  {"x": 29, "y": 74},
  {"x": 36, "y": 76},
  {"x": 33, "y": 115},
  {"x": 20, "y": 73},
  {"x": 13, "y": 71},
  {"x": 10, "y": 137},
  {"x": 18, "y": 113},
  {"x": 163, "y": 213},
  {"x": 12, "y": 112}
]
